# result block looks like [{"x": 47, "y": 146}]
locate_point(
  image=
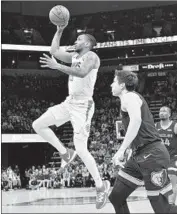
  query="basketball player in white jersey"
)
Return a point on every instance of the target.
[{"x": 78, "y": 106}]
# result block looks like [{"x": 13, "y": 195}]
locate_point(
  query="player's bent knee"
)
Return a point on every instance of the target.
[
  {"x": 116, "y": 196},
  {"x": 36, "y": 125},
  {"x": 119, "y": 193}
]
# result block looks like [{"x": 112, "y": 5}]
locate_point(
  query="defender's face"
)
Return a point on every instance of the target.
[
  {"x": 116, "y": 87},
  {"x": 80, "y": 43},
  {"x": 164, "y": 113}
]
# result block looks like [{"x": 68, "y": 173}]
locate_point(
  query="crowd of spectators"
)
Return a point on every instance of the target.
[
  {"x": 10, "y": 178},
  {"x": 25, "y": 98},
  {"x": 105, "y": 26},
  {"x": 36, "y": 177}
]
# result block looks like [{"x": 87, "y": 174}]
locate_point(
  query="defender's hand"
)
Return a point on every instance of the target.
[{"x": 118, "y": 158}]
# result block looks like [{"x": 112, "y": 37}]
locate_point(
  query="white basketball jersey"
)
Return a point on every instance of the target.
[{"x": 82, "y": 86}]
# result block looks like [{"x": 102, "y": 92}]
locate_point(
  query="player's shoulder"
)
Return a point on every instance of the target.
[
  {"x": 174, "y": 124},
  {"x": 132, "y": 96},
  {"x": 94, "y": 57},
  {"x": 131, "y": 99},
  {"x": 92, "y": 54}
]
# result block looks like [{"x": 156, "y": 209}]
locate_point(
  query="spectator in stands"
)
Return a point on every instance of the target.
[
  {"x": 53, "y": 174},
  {"x": 58, "y": 180},
  {"x": 45, "y": 173},
  {"x": 33, "y": 180},
  {"x": 5, "y": 185},
  {"x": 106, "y": 175},
  {"x": 12, "y": 178},
  {"x": 85, "y": 175},
  {"x": 79, "y": 179},
  {"x": 40, "y": 179},
  {"x": 66, "y": 177}
]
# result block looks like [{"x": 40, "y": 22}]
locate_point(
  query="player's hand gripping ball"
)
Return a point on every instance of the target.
[{"x": 59, "y": 15}]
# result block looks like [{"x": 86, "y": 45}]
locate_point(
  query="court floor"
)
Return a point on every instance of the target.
[{"x": 66, "y": 200}]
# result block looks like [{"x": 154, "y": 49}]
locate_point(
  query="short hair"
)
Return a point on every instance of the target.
[
  {"x": 91, "y": 39},
  {"x": 129, "y": 78},
  {"x": 168, "y": 108}
]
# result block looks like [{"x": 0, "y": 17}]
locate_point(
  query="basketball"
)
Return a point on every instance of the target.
[{"x": 59, "y": 15}]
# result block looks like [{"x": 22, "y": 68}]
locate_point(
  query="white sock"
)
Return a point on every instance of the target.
[{"x": 89, "y": 161}]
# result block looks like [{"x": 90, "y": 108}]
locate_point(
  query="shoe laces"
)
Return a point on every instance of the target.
[{"x": 100, "y": 196}]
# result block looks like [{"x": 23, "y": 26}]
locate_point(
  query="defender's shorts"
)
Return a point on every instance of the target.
[{"x": 149, "y": 168}]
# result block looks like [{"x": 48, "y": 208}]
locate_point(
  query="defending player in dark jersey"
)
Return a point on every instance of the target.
[
  {"x": 150, "y": 158},
  {"x": 168, "y": 133}
]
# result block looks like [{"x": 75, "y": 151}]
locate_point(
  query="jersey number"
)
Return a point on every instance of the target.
[{"x": 166, "y": 142}]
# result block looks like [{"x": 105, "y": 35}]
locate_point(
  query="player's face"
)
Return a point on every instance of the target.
[
  {"x": 164, "y": 113},
  {"x": 80, "y": 43},
  {"x": 116, "y": 87}
]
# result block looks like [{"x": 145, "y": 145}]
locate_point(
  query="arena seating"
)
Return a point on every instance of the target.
[{"x": 105, "y": 26}]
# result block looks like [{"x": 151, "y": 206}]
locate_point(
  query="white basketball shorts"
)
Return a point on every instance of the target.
[{"x": 79, "y": 112}]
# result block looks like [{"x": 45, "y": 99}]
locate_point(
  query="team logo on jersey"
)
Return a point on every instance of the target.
[{"x": 159, "y": 178}]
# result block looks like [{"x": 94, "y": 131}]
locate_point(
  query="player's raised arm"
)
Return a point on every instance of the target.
[{"x": 56, "y": 50}]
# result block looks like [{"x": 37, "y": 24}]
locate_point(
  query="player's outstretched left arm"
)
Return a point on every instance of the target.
[
  {"x": 133, "y": 127},
  {"x": 135, "y": 119},
  {"x": 91, "y": 61}
]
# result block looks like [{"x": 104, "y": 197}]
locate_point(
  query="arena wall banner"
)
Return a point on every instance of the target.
[
  {"x": 131, "y": 67},
  {"x": 135, "y": 42},
  {"x": 157, "y": 66},
  {"x": 111, "y": 44},
  {"x": 22, "y": 138}
]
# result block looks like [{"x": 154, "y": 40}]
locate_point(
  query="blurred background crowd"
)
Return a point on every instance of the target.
[
  {"x": 36, "y": 177},
  {"x": 105, "y": 26},
  {"x": 25, "y": 98}
]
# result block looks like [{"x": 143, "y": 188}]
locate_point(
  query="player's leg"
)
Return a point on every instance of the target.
[
  {"x": 82, "y": 114},
  {"x": 172, "y": 171},
  {"x": 129, "y": 178},
  {"x": 173, "y": 197},
  {"x": 56, "y": 115},
  {"x": 81, "y": 123},
  {"x": 157, "y": 183}
]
